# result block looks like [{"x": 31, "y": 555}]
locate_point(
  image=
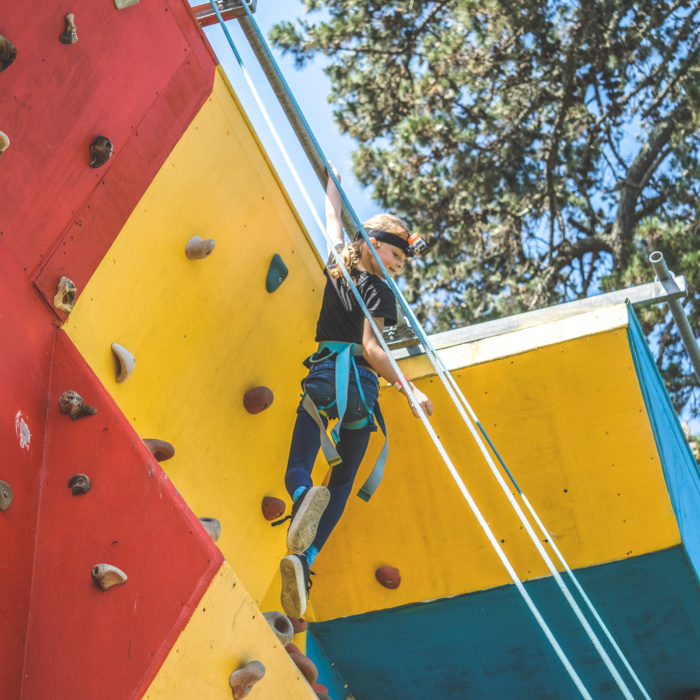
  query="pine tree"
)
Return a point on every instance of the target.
[{"x": 544, "y": 148}]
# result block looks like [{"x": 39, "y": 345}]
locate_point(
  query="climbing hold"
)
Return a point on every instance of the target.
[
  {"x": 121, "y": 4},
  {"x": 4, "y": 142},
  {"x": 160, "y": 449},
  {"x": 388, "y": 576},
  {"x": 8, "y": 53},
  {"x": 281, "y": 625},
  {"x": 101, "y": 150},
  {"x": 65, "y": 296},
  {"x": 273, "y": 508},
  {"x": 70, "y": 34},
  {"x": 80, "y": 483},
  {"x": 242, "y": 680},
  {"x": 212, "y": 526},
  {"x": 5, "y": 495},
  {"x": 257, "y": 399},
  {"x": 299, "y": 624},
  {"x": 72, "y": 402},
  {"x": 306, "y": 666},
  {"x": 196, "y": 248},
  {"x": 324, "y": 696},
  {"x": 276, "y": 273},
  {"x": 106, "y": 576},
  {"x": 320, "y": 689},
  {"x": 126, "y": 362}
]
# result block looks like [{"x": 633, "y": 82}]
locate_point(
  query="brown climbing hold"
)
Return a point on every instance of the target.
[
  {"x": 79, "y": 483},
  {"x": 196, "y": 248},
  {"x": 8, "y": 53},
  {"x": 72, "y": 402},
  {"x": 299, "y": 624},
  {"x": 212, "y": 526},
  {"x": 273, "y": 508},
  {"x": 65, "y": 296},
  {"x": 70, "y": 33},
  {"x": 257, "y": 399},
  {"x": 292, "y": 649},
  {"x": 281, "y": 625},
  {"x": 160, "y": 449},
  {"x": 388, "y": 576},
  {"x": 5, "y": 495},
  {"x": 242, "y": 680},
  {"x": 306, "y": 666},
  {"x": 320, "y": 688},
  {"x": 106, "y": 576},
  {"x": 4, "y": 142},
  {"x": 101, "y": 150}
]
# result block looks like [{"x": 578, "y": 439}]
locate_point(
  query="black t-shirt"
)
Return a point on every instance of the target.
[{"x": 341, "y": 317}]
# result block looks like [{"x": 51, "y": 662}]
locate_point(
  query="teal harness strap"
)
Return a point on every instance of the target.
[
  {"x": 372, "y": 481},
  {"x": 344, "y": 354}
]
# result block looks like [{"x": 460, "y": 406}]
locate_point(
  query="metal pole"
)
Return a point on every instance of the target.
[{"x": 687, "y": 336}]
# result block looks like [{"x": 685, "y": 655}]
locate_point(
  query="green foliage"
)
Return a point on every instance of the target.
[{"x": 544, "y": 148}]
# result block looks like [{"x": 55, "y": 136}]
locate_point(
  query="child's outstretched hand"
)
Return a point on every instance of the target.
[{"x": 422, "y": 400}]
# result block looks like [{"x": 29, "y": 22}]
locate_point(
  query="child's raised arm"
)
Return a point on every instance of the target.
[{"x": 334, "y": 225}]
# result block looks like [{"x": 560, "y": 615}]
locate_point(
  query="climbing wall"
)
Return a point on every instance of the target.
[
  {"x": 564, "y": 403},
  {"x": 185, "y": 162}
]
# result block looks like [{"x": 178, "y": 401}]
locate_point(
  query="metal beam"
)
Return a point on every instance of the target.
[
  {"x": 640, "y": 295},
  {"x": 230, "y": 9}
]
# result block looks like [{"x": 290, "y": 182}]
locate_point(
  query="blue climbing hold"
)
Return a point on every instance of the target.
[{"x": 276, "y": 274}]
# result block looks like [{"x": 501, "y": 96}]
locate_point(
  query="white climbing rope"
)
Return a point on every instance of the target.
[{"x": 461, "y": 403}]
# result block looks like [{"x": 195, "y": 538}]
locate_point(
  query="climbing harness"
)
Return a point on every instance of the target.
[
  {"x": 351, "y": 222},
  {"x": 344, "y": 354}
]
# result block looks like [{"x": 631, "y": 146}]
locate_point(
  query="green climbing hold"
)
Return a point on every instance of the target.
[{"x": 276, "y": 274}]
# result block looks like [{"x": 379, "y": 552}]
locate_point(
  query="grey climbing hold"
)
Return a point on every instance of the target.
[
  {"x": 5, "y": 495},
  {"x": 125, "y": 361},
  {"x": 276, "y": 273},
  {"x": 65, "y": 296},
  {"x": 79, "y": 483},
  {"x": 212, "y": 526},
  {"x": 70, "y": 33},
  {"x": 196, "y": 248},
  {"x": 106, "y": 576},
  {"x": 8, "y": 53},
  {"x": 72, "y": 402},
  {"x": 121, "y": 4},
  {"x": 281, "y": 625},
  {"x": 4, "y": 142},
  {"x": 101, "y": 150}
]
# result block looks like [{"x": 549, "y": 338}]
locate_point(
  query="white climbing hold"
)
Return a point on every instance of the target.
[
  {"x": 196, "y": 248},
  {"x": 126, "y": 361}
]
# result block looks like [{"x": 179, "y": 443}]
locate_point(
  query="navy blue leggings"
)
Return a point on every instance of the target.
[{"x": 306, "y": 442}]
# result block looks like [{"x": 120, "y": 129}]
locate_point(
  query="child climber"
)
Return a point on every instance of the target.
[{"x": 348, "y": 346}]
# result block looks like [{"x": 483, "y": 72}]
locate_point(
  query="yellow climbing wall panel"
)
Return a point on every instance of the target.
[
  {"x": 570, "y": 423},
  {"x": 225, "y": 632},
  {"x": 205, "y": 331}
]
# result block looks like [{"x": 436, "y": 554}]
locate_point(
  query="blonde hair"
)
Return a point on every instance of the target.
[{"x": 350, "y": 254}]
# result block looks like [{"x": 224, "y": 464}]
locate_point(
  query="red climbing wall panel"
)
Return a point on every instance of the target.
[
  {"x": 56, "y": 98},
  {"x": 86, "y": 642},
  {"x": 27, "y": 335}
]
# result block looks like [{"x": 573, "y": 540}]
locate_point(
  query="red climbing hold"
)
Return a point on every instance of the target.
[
  {"x": 320, "y": 688},
  {"x": 273, "y": 508},
  {"x": 299, "y": 624},
  {"x": 292, "y": 649},
  {"x": 306, "y": 666},
  {"x": 388, "y": 576},
  {"x": 257, "y": 399}
]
